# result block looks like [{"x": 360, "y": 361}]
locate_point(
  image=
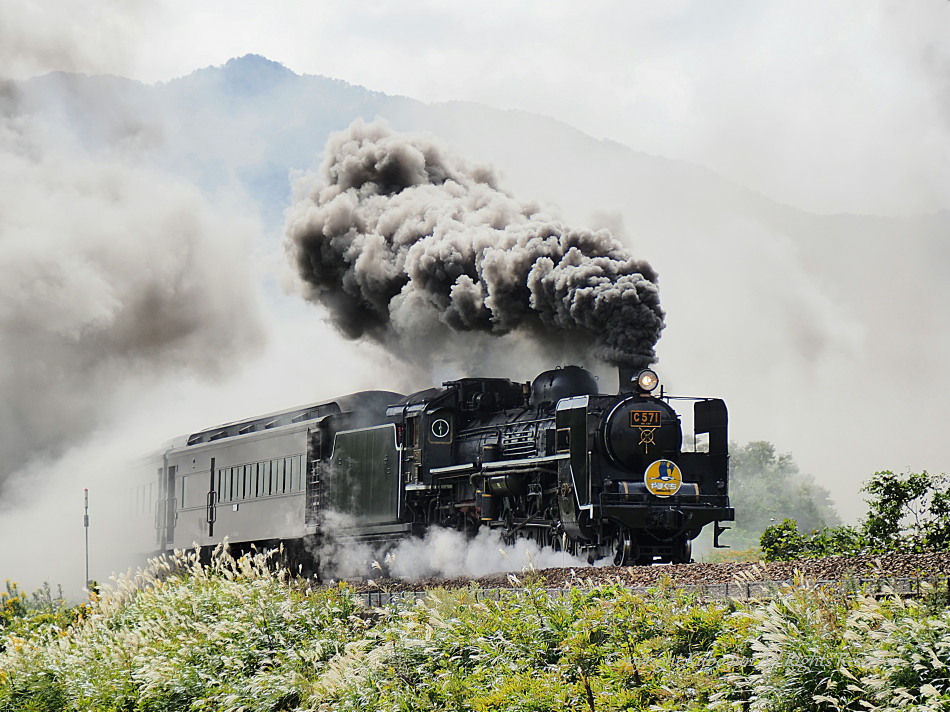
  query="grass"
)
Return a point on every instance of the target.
[{"x": 238, "y": 635}]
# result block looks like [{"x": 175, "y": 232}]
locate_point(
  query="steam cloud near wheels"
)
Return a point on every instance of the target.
[{"x": 406, "y": 244}]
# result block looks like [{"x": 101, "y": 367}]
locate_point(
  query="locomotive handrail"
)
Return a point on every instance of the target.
[
  {"x": 462, "y": 469},
  {"x": 524, "y": 462},
  {"x": 494, "y": 465},
  {"x": 479, "y": 429},
  {"x": 668, "y": 397}
]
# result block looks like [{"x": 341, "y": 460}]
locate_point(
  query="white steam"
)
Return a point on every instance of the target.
[
  {"x": 441, "y": 553},
  {"x": 114, "y": 276},
  {"x": 446, "y": 553}
]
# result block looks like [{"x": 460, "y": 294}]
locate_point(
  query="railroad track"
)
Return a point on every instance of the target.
[
  {"x": 736, "y": 590},
  {"x": 899, "y": 574}
]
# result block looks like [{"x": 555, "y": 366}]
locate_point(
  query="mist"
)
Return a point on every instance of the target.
[
  {"x": 441, "y": 553},
  {"x": 114, "y": 275},
  {"x": 835, "y": 107}
]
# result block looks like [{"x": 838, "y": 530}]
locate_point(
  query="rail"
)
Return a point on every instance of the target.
[{"x": 735, "y": 590}]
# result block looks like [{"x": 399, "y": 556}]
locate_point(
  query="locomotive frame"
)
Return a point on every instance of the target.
[{"x": 552, "y": 460}]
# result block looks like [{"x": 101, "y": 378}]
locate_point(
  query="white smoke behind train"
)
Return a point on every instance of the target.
[
  {"x": 114, "y": 276},
  {"x": 41, "y": 521}
]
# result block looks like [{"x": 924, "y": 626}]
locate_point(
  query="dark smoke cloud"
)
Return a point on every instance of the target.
[
  {"x": 113, "y": 276},
  {"x": 401, "y": 241}
]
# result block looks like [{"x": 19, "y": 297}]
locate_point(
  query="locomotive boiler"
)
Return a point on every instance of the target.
[{"x": 553, "y": 460}]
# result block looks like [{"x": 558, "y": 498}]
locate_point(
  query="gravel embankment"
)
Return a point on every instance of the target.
[{"x": 889, "y": 566}]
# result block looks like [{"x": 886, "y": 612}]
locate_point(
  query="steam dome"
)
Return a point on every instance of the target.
[{"x": 567, "y": 382}]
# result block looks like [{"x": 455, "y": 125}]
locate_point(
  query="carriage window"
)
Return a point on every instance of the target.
[
  {"x": 143, "y": 499},
  {"x": 262, "y": 470},
  {"x": 259, "y": 479},
  {"x": 194, "y": 490}
]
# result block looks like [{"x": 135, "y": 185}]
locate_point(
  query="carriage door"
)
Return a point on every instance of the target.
[{"x": 166, "y": 508}]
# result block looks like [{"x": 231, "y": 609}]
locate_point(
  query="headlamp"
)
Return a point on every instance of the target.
[{"x": 647, "y": 380}]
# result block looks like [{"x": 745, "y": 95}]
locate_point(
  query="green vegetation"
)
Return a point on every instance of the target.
[
  {"x": 766, "y": 487},
  {"x": 242, "y": 635},
  {"x": 239, "y": 636},
  {"x": 906, "y": 513},
  {"x": 21, "y": 615}
]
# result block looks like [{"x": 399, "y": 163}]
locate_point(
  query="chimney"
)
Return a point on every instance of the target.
[{"x": 628, "y": 379}]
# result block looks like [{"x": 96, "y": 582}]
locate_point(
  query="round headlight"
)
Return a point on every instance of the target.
[{"x": 647, "y": 380}]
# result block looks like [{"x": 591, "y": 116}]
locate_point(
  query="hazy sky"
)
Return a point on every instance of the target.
[{"x": 838, "y": 106}]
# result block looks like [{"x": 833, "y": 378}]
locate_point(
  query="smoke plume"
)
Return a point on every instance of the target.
[
  {"x": 405, "y": 244},
  {"x": 114, "y": 275}
]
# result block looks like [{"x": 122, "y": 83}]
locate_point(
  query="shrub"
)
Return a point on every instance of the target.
[
  {"x": 22, "y": 615},
  {"x": 239, "y": 635},
  {"x": 907, "y": 512},
  {"x": 782, "y": 542}
]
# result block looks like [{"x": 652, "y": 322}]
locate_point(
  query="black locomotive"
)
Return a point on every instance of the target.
[{"x": 554, "y": 460}]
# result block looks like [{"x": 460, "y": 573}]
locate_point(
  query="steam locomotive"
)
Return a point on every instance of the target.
[{"x": 553, "y": 460}]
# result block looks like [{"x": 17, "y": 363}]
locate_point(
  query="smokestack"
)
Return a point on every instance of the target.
[
  {"x": 403, "y": 244},
  {"x": 628, "y": 379}
]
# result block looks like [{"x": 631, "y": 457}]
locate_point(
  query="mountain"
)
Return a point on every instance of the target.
[{"x": 253, "y": 120}]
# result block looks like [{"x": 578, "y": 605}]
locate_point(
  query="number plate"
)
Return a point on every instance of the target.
[{"x": 645, "y": 418}]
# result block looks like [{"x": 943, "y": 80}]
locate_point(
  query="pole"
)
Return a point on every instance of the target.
[{"x": 85, "y": 523}]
